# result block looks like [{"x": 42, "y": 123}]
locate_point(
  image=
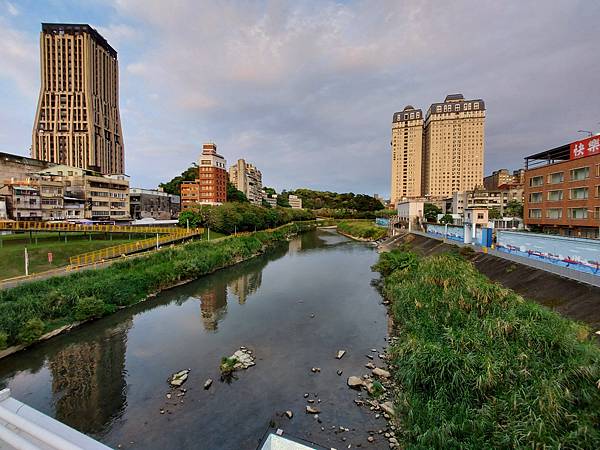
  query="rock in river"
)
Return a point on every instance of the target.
[
  {"x": 340, "y": 354},
  {"x": 388, "y": 407},
  {"x": 177, "y": 379},
  {"x": 381, "y": 372},
  {"x": 311, "y": 410},
  {"x": 355, "y": 382},
  {"x": 207, "y": 383}
]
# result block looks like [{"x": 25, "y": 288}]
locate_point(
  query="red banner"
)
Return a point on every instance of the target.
[{"x": 586, "y": 147}]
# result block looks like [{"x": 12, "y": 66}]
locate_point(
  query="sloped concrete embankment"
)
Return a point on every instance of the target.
[{"x": 572, "y": 299}]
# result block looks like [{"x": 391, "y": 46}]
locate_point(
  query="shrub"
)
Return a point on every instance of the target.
[
  {"x": 31, "y": 331},
  {"x": 88, "y": 308},
  {"x": 3, "y": 340}
]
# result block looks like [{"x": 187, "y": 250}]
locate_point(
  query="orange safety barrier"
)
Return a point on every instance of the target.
[{"x": 131, "y": 247}]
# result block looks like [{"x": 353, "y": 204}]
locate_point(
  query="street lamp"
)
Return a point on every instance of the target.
[{"x": 589, "y": 133}]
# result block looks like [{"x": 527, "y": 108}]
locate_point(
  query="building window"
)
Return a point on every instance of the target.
[
  {"x": 582, "y": 173},
  {"x": 535, "y": 213},
  {"x": 536, "y": 181},
  {"x": 535, "y": 197},
  {"x": 556, "y": 177},
  {"x": 554, "y": 213},
  {"x": 578, "y": 213},
  {"x": 555, "y": 196},
  {"x": 578, "y": 193}
]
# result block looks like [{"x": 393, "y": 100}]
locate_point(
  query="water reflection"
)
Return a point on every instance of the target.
[{"x": 88, "y": 380}]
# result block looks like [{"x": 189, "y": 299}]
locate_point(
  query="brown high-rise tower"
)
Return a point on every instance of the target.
[{"x": 77, "y": 121}]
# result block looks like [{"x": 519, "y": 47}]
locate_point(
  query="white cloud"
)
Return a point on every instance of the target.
[
  {"x": 11, "y": 9},
  {"x": 19, "y": 55}
]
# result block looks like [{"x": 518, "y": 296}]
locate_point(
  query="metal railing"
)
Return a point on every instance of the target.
[
  {"x": 76, "y": 227},
  {"x": 131, "y": 247}
]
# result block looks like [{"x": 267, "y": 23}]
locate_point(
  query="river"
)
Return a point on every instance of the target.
[{"x": 295, "y": 307}]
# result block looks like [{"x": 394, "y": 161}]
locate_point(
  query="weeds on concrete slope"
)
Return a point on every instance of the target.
[
  {"x": 480, "y": 367},
  {"x": 29, "y": 310}
]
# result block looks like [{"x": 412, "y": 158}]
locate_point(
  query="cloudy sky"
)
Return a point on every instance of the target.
[{"x": 306, "y": 89}]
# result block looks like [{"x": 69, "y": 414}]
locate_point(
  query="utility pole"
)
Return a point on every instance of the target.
[
  {"x": 188, "y": 225},
  {"x": 156, "y": 241},
  {"x": 208, "y": 233},
  {"x": 26, "y": 262}
]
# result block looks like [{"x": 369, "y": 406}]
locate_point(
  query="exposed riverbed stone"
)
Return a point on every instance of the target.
[
  {"x": 340, "y": 354},
  {"x": 207, "y": 383},
  {"x": 178, "y": 378},
  {"x": 381, "y": 372},
  {"x": 355, "y": 382},
  {"x": 312, "y": 410},
  {"x": 388, "y": 407}
]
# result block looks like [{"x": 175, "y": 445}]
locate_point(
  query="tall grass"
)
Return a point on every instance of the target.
[
  {"x": 362, "y": 229},
  {"x": 93, "y": 293},
  {"x": 480, "y": 367}
]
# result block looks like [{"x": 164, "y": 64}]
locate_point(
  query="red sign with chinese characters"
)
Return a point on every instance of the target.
[{"x": 586, "y": 147}]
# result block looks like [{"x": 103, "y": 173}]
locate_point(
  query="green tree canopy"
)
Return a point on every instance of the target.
[
  {"x": 514, "y": 209},
  {"x": 174, "y": 186},
  {"x": 235, "y": 195},
  {"x": 494, "y": 213},
  {"x": 333, "y": 200},
  {"x": 430, "y": 212}
]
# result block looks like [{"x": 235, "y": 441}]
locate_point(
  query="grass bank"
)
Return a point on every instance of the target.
[
  {"x": 30, "y": 310},
  {"x": 477, "y": 366},
  {"x": 363, "y": 230},
  {"x": 12, "y": 255}
]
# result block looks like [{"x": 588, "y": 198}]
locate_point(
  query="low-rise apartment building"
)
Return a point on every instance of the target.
[
  {"x": 106, "y": 196},
  {"x": 155, "y": 204},
  {"x": 482, "y": 198},
  {"x": 295, "y": 201},
  {"x": 503, "y": 177},
  {"x": 562, "y": 189}
]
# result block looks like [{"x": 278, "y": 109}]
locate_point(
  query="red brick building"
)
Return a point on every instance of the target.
[
  {"x": 562, "y": 189},
  {"x": 210, "y": 188}
]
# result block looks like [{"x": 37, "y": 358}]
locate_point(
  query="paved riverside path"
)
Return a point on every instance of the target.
[{"x": 577, "y": 275}]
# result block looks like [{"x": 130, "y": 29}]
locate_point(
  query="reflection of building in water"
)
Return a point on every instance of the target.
[
  {"x": 245, "y": 285},
  {"x": 213, "y": 305},
  {"x": 295, "y": 245},
  {"x": 88, "y": 380}
]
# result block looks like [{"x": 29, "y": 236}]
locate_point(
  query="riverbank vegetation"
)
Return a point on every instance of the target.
[
  {"x": 28, "y": 311},
  {"x": 363, "y": 230},
  {"x": 231, "y": 217},
  {"x": 477, "y": 366}
]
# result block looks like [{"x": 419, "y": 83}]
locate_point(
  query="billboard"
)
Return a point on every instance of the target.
[{"x": 585, "y": 147}]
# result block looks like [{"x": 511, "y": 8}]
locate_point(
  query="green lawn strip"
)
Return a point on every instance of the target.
[
  {"x": 362, "y": 229},
  {"x": 12, "y": 259},
  {"x": 26, "y": 310},
  {"x": 477, "y": 366}
]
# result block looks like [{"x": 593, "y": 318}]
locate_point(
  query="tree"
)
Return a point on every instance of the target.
[
  {"x": 235, "y": 195},
  {"x": 430, "y": 212},
  {"x": 174, "y": 186},
  {"x": 514, "y": 208},
  {"x": 447, "y": 219},
  {"x": 282, "y": 200},
  {"x": 494, "y": 213}
]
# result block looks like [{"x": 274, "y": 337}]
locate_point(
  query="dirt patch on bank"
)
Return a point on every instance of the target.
[{"x": 572, "y": 299}]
